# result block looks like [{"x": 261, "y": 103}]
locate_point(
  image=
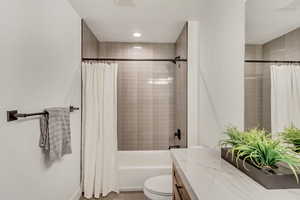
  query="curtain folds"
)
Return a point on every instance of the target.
[
  {"x": 285, "y": 97},
  {"x": 100, "y": 172}
]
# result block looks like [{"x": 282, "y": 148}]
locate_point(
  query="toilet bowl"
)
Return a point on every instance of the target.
[{"x": 158, "y": 188}]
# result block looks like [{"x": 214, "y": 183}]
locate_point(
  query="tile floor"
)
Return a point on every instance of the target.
[{"x": 122, "y": 196}]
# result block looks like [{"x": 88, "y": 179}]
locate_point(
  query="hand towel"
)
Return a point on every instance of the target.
[{"x": 55, "y": 138}]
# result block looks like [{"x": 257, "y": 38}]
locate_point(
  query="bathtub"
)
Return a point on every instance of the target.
[{"x": 136, "y": 166}]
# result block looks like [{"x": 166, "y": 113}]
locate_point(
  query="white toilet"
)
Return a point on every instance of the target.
[{"x": 158, "y": 188}]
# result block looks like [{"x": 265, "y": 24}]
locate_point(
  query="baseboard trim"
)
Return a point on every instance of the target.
[{"x": 77, "y": 194}]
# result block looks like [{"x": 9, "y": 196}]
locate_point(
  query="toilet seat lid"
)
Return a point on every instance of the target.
[{"x": 160, "y": 185}]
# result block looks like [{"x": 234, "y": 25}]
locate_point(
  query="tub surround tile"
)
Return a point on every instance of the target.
[
  {"x": 146, "y": 110},
  {"x": 253, "y": 115},
  {"x": 209, "y": 177}
]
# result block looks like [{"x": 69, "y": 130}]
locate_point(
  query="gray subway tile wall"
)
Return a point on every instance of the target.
[
  {"x": 253, "y": 87},
  {"x": 146, "y": 95}
]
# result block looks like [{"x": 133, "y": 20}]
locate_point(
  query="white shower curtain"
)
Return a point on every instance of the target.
[
  {"x": 100, "y": 169},
  {"x": 285, "y": 97}
]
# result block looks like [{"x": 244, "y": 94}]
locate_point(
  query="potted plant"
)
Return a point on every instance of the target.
[
  {"x": 291, "y": 136},
  {"x": 264, "y": 159}
]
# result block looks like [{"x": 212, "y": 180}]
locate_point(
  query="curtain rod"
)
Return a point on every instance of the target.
[
  {"x": 176, "y": 59},
  {"x": 274, "y": 61}
]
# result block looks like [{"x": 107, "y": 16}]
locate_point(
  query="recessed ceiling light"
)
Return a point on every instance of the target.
[
  {"x": 137, "y": 47},
  {"x": 136, "y": 34}
]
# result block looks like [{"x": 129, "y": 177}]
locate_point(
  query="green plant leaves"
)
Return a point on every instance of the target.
[
  {"x": 258, "y": 148},
  {"x": 291, "y": 136}
]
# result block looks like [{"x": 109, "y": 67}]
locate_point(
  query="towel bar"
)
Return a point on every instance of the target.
[{"x": 13, "y": 115}]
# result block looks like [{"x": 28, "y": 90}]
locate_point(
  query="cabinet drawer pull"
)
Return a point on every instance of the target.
[{"x": 178, "y": 186}]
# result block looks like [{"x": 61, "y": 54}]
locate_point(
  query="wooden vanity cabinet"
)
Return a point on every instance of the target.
[{"x": 179, "y": 190}]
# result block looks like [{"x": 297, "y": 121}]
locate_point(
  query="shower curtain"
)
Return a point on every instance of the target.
[
  {"x": 100, "y": 169},
  {"x": 285, "y": 97}
]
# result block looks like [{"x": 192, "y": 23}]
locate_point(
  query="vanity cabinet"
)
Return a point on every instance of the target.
[{"x": 179, "y": 189}]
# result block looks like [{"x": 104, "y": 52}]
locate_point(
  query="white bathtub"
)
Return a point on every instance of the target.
[{"x": 136, "y": 166}]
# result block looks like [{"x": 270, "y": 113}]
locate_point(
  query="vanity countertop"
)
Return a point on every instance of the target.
[{"x": 208, "y": 177}]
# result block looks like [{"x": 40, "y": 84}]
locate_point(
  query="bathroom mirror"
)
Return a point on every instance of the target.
[{"x": 271, "y": 86}]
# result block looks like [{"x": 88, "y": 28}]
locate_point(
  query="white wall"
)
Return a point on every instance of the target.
[
  {"x": 40, "y": 67},
  {"x": 193, "y": 82},
  {"x": 221, "y": 71}
]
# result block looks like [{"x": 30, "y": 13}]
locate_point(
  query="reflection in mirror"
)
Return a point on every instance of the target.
[{"x": 272, "y": 90}]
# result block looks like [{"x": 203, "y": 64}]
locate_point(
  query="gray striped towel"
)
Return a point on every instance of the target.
[{"x": 55, "y": 138}]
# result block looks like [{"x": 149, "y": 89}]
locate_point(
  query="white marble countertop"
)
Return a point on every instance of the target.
[{"x": 208, "y": 177}]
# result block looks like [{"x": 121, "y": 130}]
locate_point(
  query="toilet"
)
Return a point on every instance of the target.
[{"x": 158, "y": 188}]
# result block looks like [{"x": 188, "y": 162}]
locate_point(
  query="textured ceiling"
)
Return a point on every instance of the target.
[
  {"x": 269, "y": 19},
  {"x": 162, "y": 20},
  {"x": 157, "y": 20}
]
